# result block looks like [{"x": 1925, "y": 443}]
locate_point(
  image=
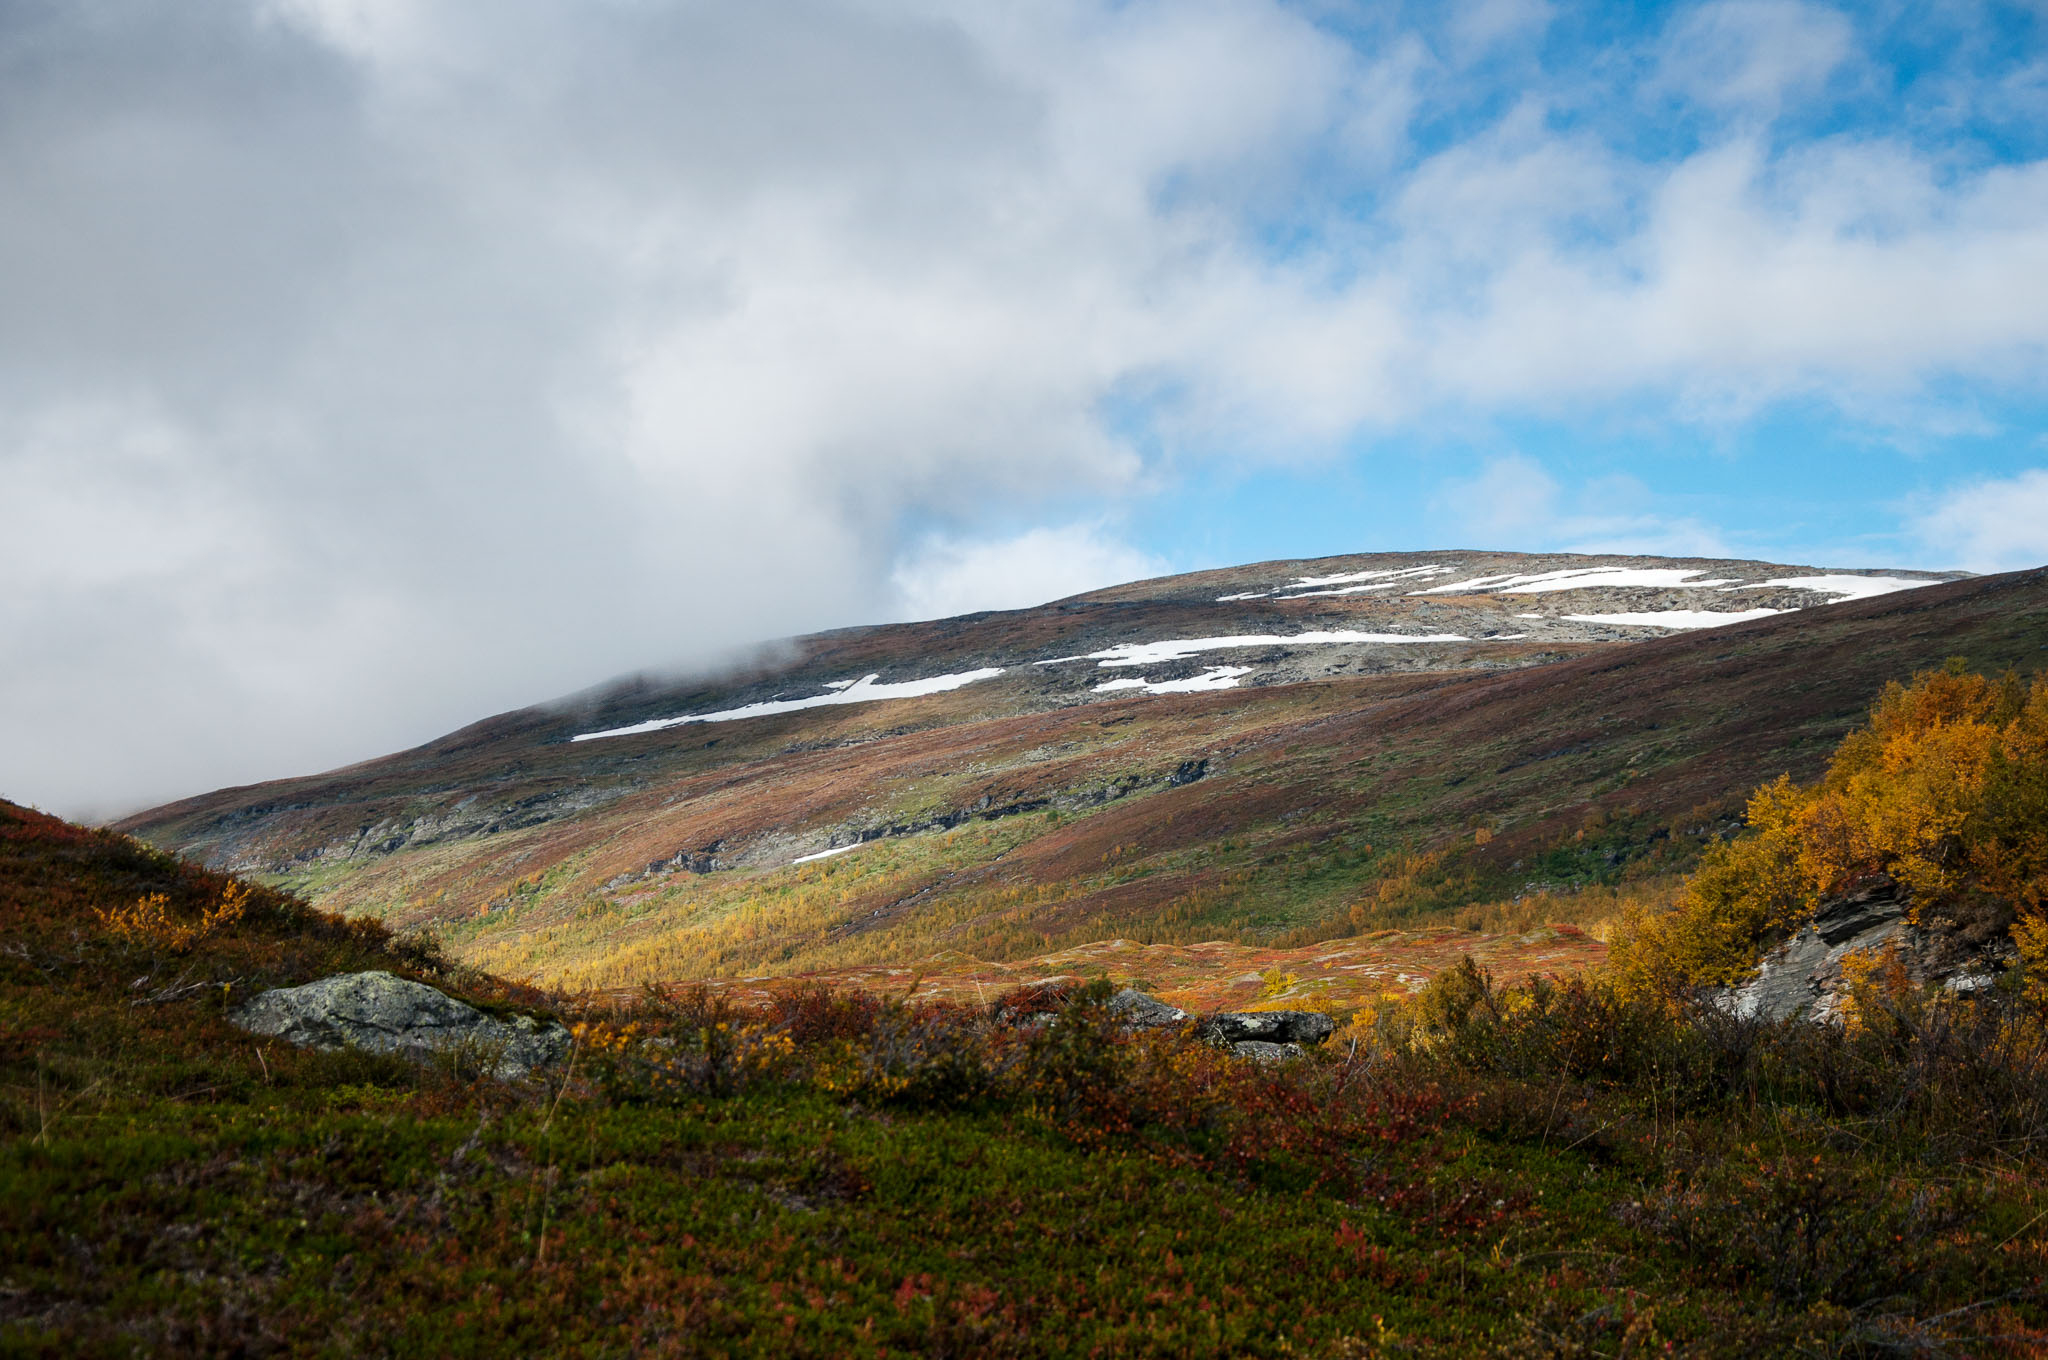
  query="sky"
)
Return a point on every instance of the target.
[{"x": 371, "y": 366}]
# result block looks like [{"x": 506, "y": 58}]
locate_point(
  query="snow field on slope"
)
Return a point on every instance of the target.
[
  {"x": 1346, "y": 583},
  {"x": 1842, "y": 584},
  {"x": 1851, "y": 587},
  {"x": 826, "y": 854},
  {"x": 1216, "y": 677},
  {"x": 1579, "y": 578},
  {"x": 1677, "y": 618},
  {"x": 1179, "y": 649},
  {"x": 861, "y": 691}
]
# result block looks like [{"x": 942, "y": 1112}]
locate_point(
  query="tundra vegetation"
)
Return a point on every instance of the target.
[
  {"x": 1001, "y": 823},
  {"x": 1608, "y": 1164}
]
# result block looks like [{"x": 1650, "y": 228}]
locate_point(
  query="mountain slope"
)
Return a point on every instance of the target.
[
  {"x": 1017, "y": 814},
  {"x": 838, "y": 1174}
]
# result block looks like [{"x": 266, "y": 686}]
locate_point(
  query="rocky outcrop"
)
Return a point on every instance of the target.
[
  {"x": 1260, "y": 1051},
  {"x": 1139, "y": 1011},
  {"x": 1803, "y": 976},
  {"x": 386, "y": 1014},
  {"x": 1268, "y": 1036},
  {"x": 1269, "y": 1027}
]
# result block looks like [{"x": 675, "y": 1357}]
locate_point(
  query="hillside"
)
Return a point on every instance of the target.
[
  {"x": 1334, "y": 782},
  {"x": 841, "y": 1174}
]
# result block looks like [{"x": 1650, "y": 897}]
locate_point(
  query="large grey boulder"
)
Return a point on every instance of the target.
[
  {"x": 1139, "y": 1011},
  {"x": 386, "y": 1014},
  {"x": 1260, "y": 1051},
  {"x": 1269, "y": 1027}
]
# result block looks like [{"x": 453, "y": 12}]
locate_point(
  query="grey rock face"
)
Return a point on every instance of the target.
[
  {"x": 387, "y": 1014},
  {"x": 1269, "y": 1027},
  {"x": 1139, "y": 1011},
  {"x": 1804, "y": 974}
]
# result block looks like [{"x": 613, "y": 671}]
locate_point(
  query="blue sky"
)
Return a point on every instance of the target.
[
  {"x": 373, "y": 365},
  {"x": 1861, "y": 450}
]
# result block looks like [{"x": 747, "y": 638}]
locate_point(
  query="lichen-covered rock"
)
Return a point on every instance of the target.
[
  {"x": 386, "y": 1014},
  {"x": 1139, "y": 1011},
  {"x": 1260, "y": 1051},
  {"x": 1269, "y": 1027}
]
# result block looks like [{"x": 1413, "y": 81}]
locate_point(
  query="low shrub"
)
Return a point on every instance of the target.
[
  {"x": 1810, "y": 1227},
  {"x": 152, "y": 921}
]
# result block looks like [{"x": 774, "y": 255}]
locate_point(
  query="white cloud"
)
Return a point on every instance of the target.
[
  {"x": 1514, "y": 502},
  {"x": 371, "y": 364},
  {"x": 1478, "y": 25},
  {"x": 1754, "y": 54},
  {"x": 1511, "y": 501},
  {"x": 1995, "y": 525},
  {"x": 942, "y": 576}
]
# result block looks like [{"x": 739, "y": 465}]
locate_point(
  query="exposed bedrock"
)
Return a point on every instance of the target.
[
  {"x": 1804, "y": 975},
  {"x": 381, "y": 1013}
]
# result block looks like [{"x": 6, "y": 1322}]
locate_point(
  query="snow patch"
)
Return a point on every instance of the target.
[
  {"x": 1579, "y": 578},
  {"x": 1216, "y": 677},
  {"x": 1305, "y": 587},
  {"x": 1340, "y": 590},
  {"x": 1678, "y": 618},
  {"x": 1179, "y": 649},
  {"x": 1388, "y": 576},
  {"x": 825, "y": 854},
  {"x": 1850, "y": 587},
  {"x": 861, "y": 691}
]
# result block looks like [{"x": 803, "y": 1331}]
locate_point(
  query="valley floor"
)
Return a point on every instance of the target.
[{"x": 1341, "y": 975}]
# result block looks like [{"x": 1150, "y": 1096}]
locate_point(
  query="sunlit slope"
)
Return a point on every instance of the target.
[
  {"x": 1257, "y": 814},
  {"x": 1243, "y": 628}
]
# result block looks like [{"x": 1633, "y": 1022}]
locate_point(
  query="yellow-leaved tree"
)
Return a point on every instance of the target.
[{"x": 1944, "y": 792}]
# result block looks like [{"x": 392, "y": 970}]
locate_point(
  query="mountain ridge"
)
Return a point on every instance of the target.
[{"x": 1008, "y": 823}]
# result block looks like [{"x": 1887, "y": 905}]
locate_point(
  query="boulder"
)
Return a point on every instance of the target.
[
  {"x": 386, "y": 1014},
  {"x": 1269, "y": 1027},
  {"x": 1139, "y": 1011},
  {"x": 1804, "y": 974},
  {"x": 1260, "y": 1051}
]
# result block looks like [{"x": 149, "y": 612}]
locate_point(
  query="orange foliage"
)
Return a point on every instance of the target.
[
  {"x": 1944, "y": 792},
  {"x": 151, "y": 921}
]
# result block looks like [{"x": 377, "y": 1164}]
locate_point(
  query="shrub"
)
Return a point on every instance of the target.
[
  {"x": 1811, "y": 1228},
  {"x": 1944, "y": 793},
  {"x": 674, "y": 1047},
  {"x": 153, "y": 922},
  {"x": 931, "y": 1056}
]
